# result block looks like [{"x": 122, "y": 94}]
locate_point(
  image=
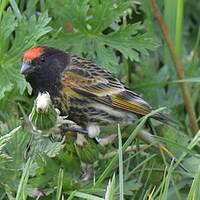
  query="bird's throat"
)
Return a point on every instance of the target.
[{"x": 47, "y": 83}]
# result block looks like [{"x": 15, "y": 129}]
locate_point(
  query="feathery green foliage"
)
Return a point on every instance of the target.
[{"x": 123, "y": 37}]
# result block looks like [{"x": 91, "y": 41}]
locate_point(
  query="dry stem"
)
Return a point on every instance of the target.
[{"x": 178, "y": 67}]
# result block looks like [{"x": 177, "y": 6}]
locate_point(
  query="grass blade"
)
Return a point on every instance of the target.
[
  {"x": 110, "y": 189},
  {"x": 3, "y": 5},
  {"x": 60, "y": 184},
  {"x": 86, "y": 196},
  {"x": 121, "y": 179},
  {"x": 179, "y": 26},
  {"x": 15, "y": 9},
  {"x": 22, "y": 188},
  {"x": 195, "y": 189},
  {"x": 127, "y": 143}
]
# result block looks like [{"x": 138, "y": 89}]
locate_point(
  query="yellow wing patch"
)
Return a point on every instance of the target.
[
  {"x": 131, "y": 106},
  {"x": 90, "y": 85},
  {"x": 83, "y": 85}
]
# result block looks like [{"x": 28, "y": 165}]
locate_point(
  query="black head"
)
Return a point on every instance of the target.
[{"x": 42, "y": 67}]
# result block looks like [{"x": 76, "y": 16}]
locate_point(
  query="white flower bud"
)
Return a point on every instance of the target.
[{"x": 43, "y": 102}]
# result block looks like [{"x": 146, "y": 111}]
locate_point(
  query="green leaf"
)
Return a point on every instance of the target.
[
  {"x": 125, "y": 145},
  {"x": 94, "y": 35},
  {"x": 110, "y": 191},
  {"x": 194, "y": 192},
  {"x": 15, "y": 9},
  {"x": 27, "y": 33},
  {"x": 6, "y": 84},
  {"x": 22, "y": 188},
  {"x": 8, "y": 24},
  {"x": 86, "y": 196},
  {"x": 5, "y": 138},
  {"x": 104, "y": 13},
  {"x": 60, "y": 184},
  {"x": 106, "y": 58},
  {"x": 129, "y": 45}
]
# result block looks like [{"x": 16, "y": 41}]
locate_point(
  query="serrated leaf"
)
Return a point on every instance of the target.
[
  {"x": 106, "y": 58},
  {"x": 128, "y": 43},
  {"x": 6, "y": 84},
  {"x": 73, "y": 10},
  {"x": 27, "y": 33},
  {"x": 89, "y": 20},
  {"x": 105, "y": 12},
  {"x": 7, "y": 24}
]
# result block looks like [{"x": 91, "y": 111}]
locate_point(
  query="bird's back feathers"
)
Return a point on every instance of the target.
[{"x": 85, "y": 79}]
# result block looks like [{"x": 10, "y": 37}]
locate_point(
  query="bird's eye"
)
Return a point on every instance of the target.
[
  {"x": 42, "y": 58},
  {"x": 33, "y": 62}
]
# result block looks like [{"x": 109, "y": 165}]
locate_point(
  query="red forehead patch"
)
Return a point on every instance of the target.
[{"x": 33, "y": 53}]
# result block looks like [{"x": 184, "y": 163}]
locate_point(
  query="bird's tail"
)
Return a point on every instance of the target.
[{"x": 166, "y": 120}]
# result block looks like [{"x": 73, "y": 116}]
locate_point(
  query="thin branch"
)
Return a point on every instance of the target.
[{"x": 178, "y": 67}]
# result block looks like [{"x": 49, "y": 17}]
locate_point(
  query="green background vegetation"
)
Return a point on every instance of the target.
[{"x": 123, "y": 37}]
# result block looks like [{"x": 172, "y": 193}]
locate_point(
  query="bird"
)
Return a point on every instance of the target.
[{"x": 89, "y": 95}]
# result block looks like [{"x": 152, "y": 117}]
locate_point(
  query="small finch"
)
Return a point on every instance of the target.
[{"x": 88, "y": 94}]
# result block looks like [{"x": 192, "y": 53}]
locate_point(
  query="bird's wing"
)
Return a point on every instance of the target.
[{"x": 84, "y": 78}]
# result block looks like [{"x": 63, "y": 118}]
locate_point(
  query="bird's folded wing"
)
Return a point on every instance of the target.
[{"x": 102, "y": 87}]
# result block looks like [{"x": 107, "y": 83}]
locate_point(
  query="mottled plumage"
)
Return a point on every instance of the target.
[{"x": 88, "y": 94}]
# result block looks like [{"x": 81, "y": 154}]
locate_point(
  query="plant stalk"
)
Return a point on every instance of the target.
[{"x": 178, "y": 67}]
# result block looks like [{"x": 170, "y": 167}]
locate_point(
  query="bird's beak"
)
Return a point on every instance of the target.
[{"x": 24, "y": 68}]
